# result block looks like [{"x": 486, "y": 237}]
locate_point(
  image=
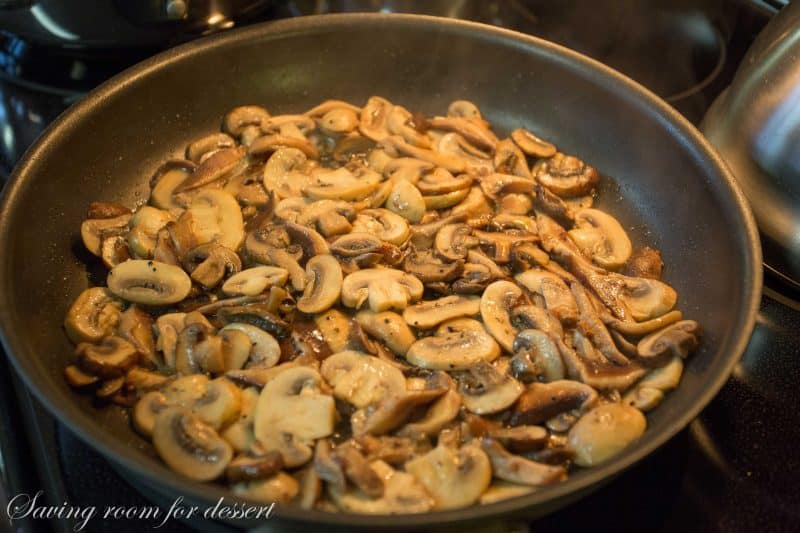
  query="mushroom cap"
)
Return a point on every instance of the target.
[
  {"x": 496, "y": 302},
  {"x": 542, "y": 401},
  {"x": 388, "y": 327},
  {"x": 218, "y": 218},
  {"x": 675, "y": 340},
  {"x": 92, "y": 316},
  {"x": 429, "y": 314},
  {"x": 601, "y": 237},
  {"x": 362, "y": 379},
  {"x": 457, "y": 345},
  {"x": 384, "y": 224},
  {"x": 454, "y": 477},
  {"x": 255, "y": 280},
  {"x": 484, "y": 390},
  {"x": 149, "y": 282}
]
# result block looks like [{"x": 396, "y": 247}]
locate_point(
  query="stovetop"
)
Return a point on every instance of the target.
[{"x": 732, "y": 469}]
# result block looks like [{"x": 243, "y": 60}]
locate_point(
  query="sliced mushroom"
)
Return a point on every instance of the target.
[
  {"x": 430, "y": 269},
  {"x": 393, "y": 411},
  {"x": 92, "y": 316},
  {"x": 144, "y": 228},
  {"x": 676, "y": 340},
  {"x": 292, "y": 410},
  {"x": 280, "y": 488},
  {"x": 213, "y": 262},
  {"x": 240, "y": 117},
  {"x": 402, "y": 494},
  {"x": 509, "y": 159},
  {"x": 239, "y": 433},
  {"x": 439, "y": 414},
  {"x": 531, "y": 144},
  {"x": 197, "y": 150},
  {"x": 361, "y": 379},
  {"x": 473, "y": 131},
  {"x": 136, "y": 326},
  {"x": 484, "y": 390},
  {"x": 566, "y": 175},
  {"x": 189, "y": 446},
  {"x": 342, "y": 184},
  {"x": 645, "y": 263},
  {"x": 374, "y": 118},
  {"x": 265, "y": 350},
  {"x": 496, "y": 303},
  {"x": 604, "y": 432},
  {"x": 250, "y": 468},
  {"x": 536, "y": 357},
  {"x": 78, "y": 378},
  {"x": 542, "y": 401},
  {"x": 259, "y": 315},
  {"x": 256, "y": 280},
  {"x": 199, "y": 350},
  {"x": 400, "y": 121},
  {"x": 221, "y": 217},
  {"x": 453, "y": 242},
  {"x": 649, "y": 392},
  {"x": 149, "y": 282},
  {"x": 331, "y": 217},
  {"x": 382, "y": 288},
  {"x": 384, "y": 224},
  {"x": 109, "y": 359},
  {"x": 389, "y": 328},
  {"x": 454, "y": 477},
  {"x": 165, "y": 182},
  {"x": 503, "y": 490},
  {"x": 215, "y": 167},
  {"x": 457, "y": 345},
  {"x": 426, "y": 315},
  {"x": 220, "y": 403},
  {"x": 450, "y": 162},
  {"x": 95, "y": 231},
  {"x": 406, "y": 201},
  {"x": 496, "y": 185},
  {"x": 516, "y": 469},
  {"x": 601, "y": 237},
  {"x": 324, "y": 284},
  {"x": 285, "y": 173},
  {"x": 358, "y": 470},
  {"x": 556, "y": 294},
  {"x": 474, "y": 205}
]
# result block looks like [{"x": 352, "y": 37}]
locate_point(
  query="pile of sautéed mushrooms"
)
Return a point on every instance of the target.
[{"x": 368, "y": 310}]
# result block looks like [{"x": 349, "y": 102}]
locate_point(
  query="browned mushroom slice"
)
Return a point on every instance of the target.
[
  {"x": 281, "y": 488},
  {"x": 78, "y": 378},
  {"x": 471, "y": 130},
  {"x": 517, "y": 469},
  {"x": 212, "y": 262},
  {"x": 189, "y": 446},
  {"x": 645, "y": 263},
  {"x": 400, "y": 121},
  {"x": 474, "y": 205},
  {"x": 339, "y": 120},
  {"x": 136, "y": 326},
  {"x": 447, "y": 161},
  {"x": 496, "y": 185},
  {"x": 331, "y": 217},
  {"x": 650, "y": 391},
  {"x": 453, "y": 241},
  {"x": 402, "y": 494},
  {"x": 556, "y": 294},
  {"x": 285, "y": 172},
  {"x": 521, "y": 439},
  {"x": 591, "y": 326},
  {"x": 392, "y": 411},
  {"x": 374, "y": 118},
  {"x": 676, "y": 340},
  {"x": 455, "y": 477},
  {"x": 484, "y": 390},
  {"x": 542, "y": 401},
  {"x": 272, "y": 143},
  {"x": 95, "y": 231},
  {"x": 601, "y": 237},
  {"x": 566, "y": 175},
  {"x": 92, "y": 316},
  {"x": 149, "y": 282},
  {"x": 361, "y": 379},
  {"x": 389, "y": 328},
  {"x": 439, "y": 414},
  {"x": 258, "y": 315},
  {"x": 240, "y": 117},
  {"x": 509, "y": 159},
  {"x": 381, "y": 288},
  {"x": 457, "y": 345},
  {"x": 249, "y": 468},
  {"x": 475, "y": 160},
  {"x": 604, "y": 432},
  {"x": 384, "y": 224},
  {"x": 197, "y": 150},
  {"x": 215, "y": 167},
  {"x": 111, "y": 358},
  {"x": 531, "y": 144},
  {"x": 358, "y": 470},
  {"x": 324, "y": 284},
  {"x": 342, "y": 184},
  {"x": 536, "y": 357},
  {"x": 428, "y": 268}
]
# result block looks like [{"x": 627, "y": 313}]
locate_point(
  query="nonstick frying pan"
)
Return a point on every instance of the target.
[{"x": 663, "y": 182}]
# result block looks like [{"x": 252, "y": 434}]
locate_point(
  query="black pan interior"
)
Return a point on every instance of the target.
[{"x": 663, "y": 183}]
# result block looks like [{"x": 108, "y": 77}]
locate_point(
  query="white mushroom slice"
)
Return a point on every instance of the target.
[
  {"x": 362, "y": 379},
  {"x": 454, "y": 477},
  {"x": 92, "y": 316},
  {"x": 219, "y": 404},
  {"x": 601, "y": 237},
  {"x": 342, "y": 184},
  {"x": 240, "y": 434},
  {"x": 517, "y": 469},
  {"x": 465, "y": 109},
  {"x": 676, "y": 340},
  {"x": 384, "y": 224},
  {"x": 214, "y": 168},
  {"x": 240, "y": 117},
  {"x": 406, "y": 169},
  {"x": 256, "y": 280},
  {"x": 400, "y": 122},
  {"x": 557, "y": 297},
  {"x": 236, "y": 348},
  {"x": 331, "y": 217},
  {"x": 95, "y": 230},
  {"x": 217, "y": 218},
  {"x": 330, "y": 105},
  {"x": 605, "y": 431},
  {"x": 388, "y": 327},
  {"x": 289, "y": 209},
  {"x": 536, "y": 357},
  {"x": 168, "y": 327},
  {"x": 145, "y": 411},
  {"x": 284, "y": 173},
  {"x": 457, "y": 345},
  {"x": 280, "y": 488},
  {"x": 439, "y": 414},
  {"x": 485, "y": 390},
  {"x": 406, "y": 200},
  {"x": 429, "y": 314},
  {"x": 402, "y": 493},
  {"x": 265, "y": 351},
  {"x": 393, "y": 411},
  {"x": 323, "y": 286},
  {"x": 149, "y": 282},
  {"x": 291, "y": 411},
  {"x": 646, "y": 299},
  {"x": 374, "y": 118},
  {"x": 145, "y": 225},
  {"x": 381, "y": 288},
  {"x": 336, "y": 328},
  {"x": 443, "y": 201},
  {"x": 189, "y": 446},
  {"x": 197, "y": 150},
  {"x": 447, "y": 161},
  {"x": 496, "y": 302},
  {"x": 164, "y": 183},
  {"x": 503, "y": 490},
  {"x": 457, "y": 147},
  {"x": 474, "y": 205}
]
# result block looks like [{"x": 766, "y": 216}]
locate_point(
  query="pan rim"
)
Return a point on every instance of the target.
[{"x": 80, "y": 423}]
